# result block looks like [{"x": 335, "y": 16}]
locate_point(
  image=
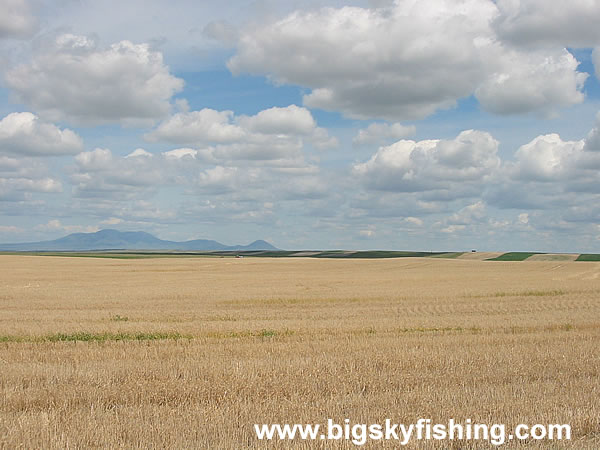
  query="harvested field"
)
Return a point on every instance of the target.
[
  {"x": 479, "y": 256},
  {"x": 190, "y": 353}
]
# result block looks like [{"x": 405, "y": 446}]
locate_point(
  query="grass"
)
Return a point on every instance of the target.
[
  {"x": 93, "y": 337},
  {"x": 212, "y": 346},
  {"x": 439, "y": 330},
  {"x": 119, "y": 318},
  {"x": 264, "y": 333},
  {"x": 531, "y": 293},
  {"x": 513, "y": 256},
  {"x": 588, "y": 257}
]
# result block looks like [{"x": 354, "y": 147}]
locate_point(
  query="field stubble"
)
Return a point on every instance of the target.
[{"x": 228, "y": 343}]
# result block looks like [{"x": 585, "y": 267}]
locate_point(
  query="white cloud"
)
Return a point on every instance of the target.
[
  {"x": 198, "y": 127},
  {"x": 376, "y": 133},
  {"x": 101, "y": 174},
  {"x": 139, "y": 152},
  {"x": 98, "y": 159},
  {"x": 446, "y": 165},
  {"x": 406, "y": 61},
  {"x": 274, "y": 134},
  {"x": 572, "y": 23},
  {"x": 218, "y": 179},
  {"x": 547, "y": 158},
  {"x": 414, "y": 221},
  {"x": 10, "y": 188},
  {"x": 469, "y": 214},
  {"x": 180, "y": 153},
  {"x": 16, "y": 20},
  {"x": 25, "y": 134},
  {"x": 22, "y": 178},
  {"x": 528, "y": 82},
  {"x": 72, "y": 78},
  {"x": 549, "y": 173},
  {"x": 289, "y": 120}
]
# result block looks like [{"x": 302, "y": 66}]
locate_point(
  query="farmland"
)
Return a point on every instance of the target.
[{"x": 191, "y": 352}]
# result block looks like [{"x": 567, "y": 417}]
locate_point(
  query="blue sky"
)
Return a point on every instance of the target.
[{"x": 429, "y": 125}]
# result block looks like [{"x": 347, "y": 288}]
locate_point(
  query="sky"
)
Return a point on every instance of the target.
[{"x": 432, "y": 125}]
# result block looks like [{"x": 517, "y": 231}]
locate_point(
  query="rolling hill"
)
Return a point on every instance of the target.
[{"x": 127, "y": 240}]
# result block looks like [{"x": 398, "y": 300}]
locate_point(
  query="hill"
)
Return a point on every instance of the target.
[{"x": 127, "y": 240}]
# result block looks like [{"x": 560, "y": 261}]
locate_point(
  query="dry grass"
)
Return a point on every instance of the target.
[
  {"x": 290, "y": 340},
  {"x": 480, "y": 256}
]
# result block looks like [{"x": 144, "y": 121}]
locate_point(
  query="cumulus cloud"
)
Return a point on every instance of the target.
[
  {"x": 289, "y": 120},
  {"x": 540, "y": 82},
  {"x": 406, "y": 61},
  {"x": 562, "y": 166},
  {"x": 547, "y": 158},
  {"x": 451, "y": 166},
  {"x": 139, "y": 152},
  {"x": 98, "y": 159},
  {"x": 533, "y": 22},
  {"x": 25, "y": 134},
  {"x": 272, "y": 134},
  {"x": 596, "y": 61},
  {"x": 198, "y": 127},
  {"x": 45, "y": 185},
  {"x": 73, "y": 78},
  {"x": 414, "y": 221},
  {"x": 16, "y": 20},
  {"x": 214, "y": 188},
  {"x": 549, "y": 173},
  {"x": 211, "y": 126},
  {"x": 21, "y": 178},
  {"x": 469, "y": 214},
  {"x": 592, "y": 143},
  {"x": 99, "y": 173},
  {"x": 180, "y": 153},
  {"x": 376, "y": 133}
]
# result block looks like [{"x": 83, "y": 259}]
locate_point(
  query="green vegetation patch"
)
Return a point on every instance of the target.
[
  {"x": 264, "y": 333},
  {"x": 588, "y": 257},
  {"x": 514, "y": 256},
  {"x": 94, "y": 337},
  {"x": 439, "y": 329},
  {"x": 118, "y": 318},
  {"x": 375, "y": 254}
]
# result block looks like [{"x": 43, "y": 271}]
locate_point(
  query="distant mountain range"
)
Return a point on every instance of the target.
[{"x": 127, "y": 240}]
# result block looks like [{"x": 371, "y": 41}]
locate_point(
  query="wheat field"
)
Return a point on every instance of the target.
[{"x": 191, "y": 352}]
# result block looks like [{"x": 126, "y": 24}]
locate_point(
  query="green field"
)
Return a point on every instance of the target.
[
  {"x": 335, "y": 254},
  {"x": 589, "y": 257},
  {"x": 513, "y": 256}
]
